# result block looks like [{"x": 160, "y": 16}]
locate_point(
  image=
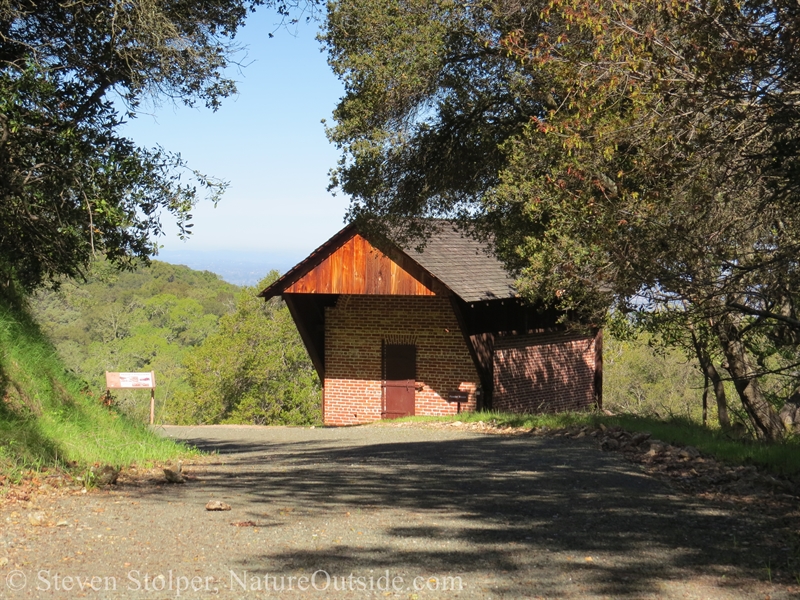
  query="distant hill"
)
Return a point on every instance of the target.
[
  {"x": 234, "y": 266},
  {"x": 219, "y": 353}
]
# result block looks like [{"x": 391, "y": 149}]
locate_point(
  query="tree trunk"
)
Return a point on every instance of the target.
[
  {"x": 766, "y": 422},
  {"x": 705, "y": 401},
  {"x": 719, "y": 393},
  {"x": 711, "y": 374}
]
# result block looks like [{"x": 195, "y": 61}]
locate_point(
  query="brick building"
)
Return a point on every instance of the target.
[{"x": 393, "y": 331}]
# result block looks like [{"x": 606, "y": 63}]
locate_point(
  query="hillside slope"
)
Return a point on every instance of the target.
[
  {"x": 48, "y": 417},
  {"x": 142, "y": 320}
]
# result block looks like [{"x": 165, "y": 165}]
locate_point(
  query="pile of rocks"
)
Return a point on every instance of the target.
[{"x": 616, "y": 438}]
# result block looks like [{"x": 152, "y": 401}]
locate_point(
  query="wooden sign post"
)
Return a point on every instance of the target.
[{"x": 118, "y": 381}]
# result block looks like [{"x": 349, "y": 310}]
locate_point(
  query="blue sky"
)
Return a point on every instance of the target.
[{"x": 268, "y": 142}]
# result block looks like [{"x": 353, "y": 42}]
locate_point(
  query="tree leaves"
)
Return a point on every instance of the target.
[
  {"x": 144, "y": 320},
  {"x": 623, "y": 156},
  {"x": 254, "y": 369},
  {"x": 71, "y": 187}
]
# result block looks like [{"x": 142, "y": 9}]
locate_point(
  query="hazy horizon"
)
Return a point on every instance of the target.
[{"x": 240, "y": 267}]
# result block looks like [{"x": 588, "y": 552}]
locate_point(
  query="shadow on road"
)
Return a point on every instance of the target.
[{"x": 515, "y": 503}]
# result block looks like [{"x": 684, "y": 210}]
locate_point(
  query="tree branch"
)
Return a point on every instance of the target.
[{"x": 765, "y": 313}]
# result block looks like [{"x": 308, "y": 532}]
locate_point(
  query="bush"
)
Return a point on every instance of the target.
[{"x": 254, "y": 369}]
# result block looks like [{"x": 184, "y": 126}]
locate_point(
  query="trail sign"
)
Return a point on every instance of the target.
[
  {"x": 118, "y": 381},
  {"x": 130, "y": 380}
]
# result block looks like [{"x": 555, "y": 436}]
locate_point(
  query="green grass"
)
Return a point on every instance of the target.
[
  {"x": 781, "y": 458},
  {"x": 554, "y": 421},
  {"x": 48, "y": 418}
]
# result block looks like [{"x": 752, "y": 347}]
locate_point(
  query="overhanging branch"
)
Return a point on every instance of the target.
[{"x": 765, "y": 313}]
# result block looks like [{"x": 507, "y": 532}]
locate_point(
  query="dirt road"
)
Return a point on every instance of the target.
[{"x": 388, "y": 512}]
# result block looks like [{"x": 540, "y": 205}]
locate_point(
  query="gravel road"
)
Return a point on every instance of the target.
[{"x": 387, "y": 511}]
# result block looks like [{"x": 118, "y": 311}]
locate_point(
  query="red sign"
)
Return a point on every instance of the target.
[{"x": 130, "y": 380}]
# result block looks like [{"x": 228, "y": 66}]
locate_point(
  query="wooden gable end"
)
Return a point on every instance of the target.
[{"x": 357, "y": 267}]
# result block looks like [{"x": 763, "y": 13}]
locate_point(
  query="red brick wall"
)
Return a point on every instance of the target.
[
  {"x": 354, "y": 330},
  {"x": 543, "y": 373}
]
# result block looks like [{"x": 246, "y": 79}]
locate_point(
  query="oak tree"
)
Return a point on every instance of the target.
[
  {"x": 625, "y": 156},
  {"x": 71, "y": 185},
  {"x": 253, "y": 369}
]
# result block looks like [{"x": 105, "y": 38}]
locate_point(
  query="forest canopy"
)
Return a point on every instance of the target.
[{"x": 220, "y": 354}]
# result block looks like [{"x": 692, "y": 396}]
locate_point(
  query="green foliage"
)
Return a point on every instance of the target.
[
  {"x": 428, "y": 99},
  {"x": 780, "y": 457},
  {"x": 641, "y": 378},
  {"x": 220, "y": 354},
  {"x": 143, "y": 320},
  {"x": 70, "y": 73},
  {"x": 254, "y": 369},
  {"x": 637, "y": 156},
  {"x": 47, "y": 415},
  {"x": 74, "y": 187}
]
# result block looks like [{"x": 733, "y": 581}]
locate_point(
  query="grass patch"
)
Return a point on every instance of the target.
[
  {"x": 47, "y": 416},
  {"x": 553, "y": 421},
  {"x": 781, "y": 458}
]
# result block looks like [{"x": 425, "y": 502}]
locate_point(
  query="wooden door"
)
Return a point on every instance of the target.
[{"x": 399, "y": 380}]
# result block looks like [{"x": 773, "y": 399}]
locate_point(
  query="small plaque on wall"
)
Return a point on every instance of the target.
[{"x": 457, "y": 396}]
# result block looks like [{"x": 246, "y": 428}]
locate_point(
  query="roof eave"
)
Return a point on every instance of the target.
[{"x": 277, "y": 287}]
